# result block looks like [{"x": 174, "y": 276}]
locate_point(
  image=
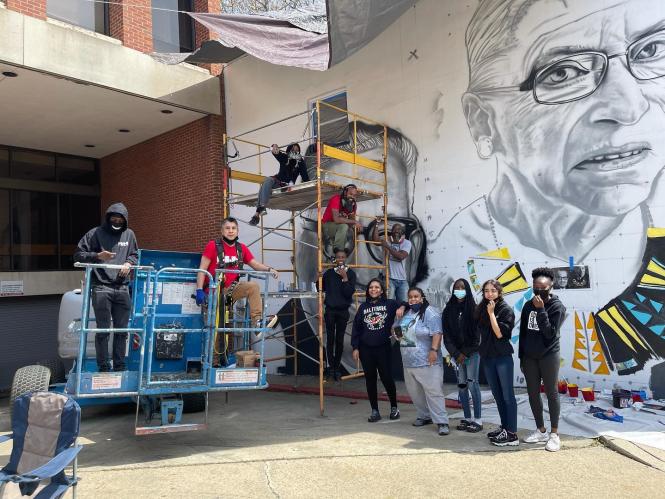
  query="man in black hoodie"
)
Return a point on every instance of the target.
[
  {"x": 115, "y": 244},
  {"x": 540, "y": 327},
  {"x": 339, "y": 284}
]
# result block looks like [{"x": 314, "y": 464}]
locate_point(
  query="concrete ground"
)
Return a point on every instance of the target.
[{"x": 272, "y": 444}]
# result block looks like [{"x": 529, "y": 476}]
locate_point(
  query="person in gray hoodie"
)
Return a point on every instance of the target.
[{"x": 113, "y": 242}]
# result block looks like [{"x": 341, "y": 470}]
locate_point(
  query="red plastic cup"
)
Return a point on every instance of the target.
[
  {"x": 542, "y": 388},
  {"x": 573, "y": 390},
  {"x": 563, "y": 386},
  {"x": 636, "y": 397},
  {"x": 588, "y": 395}
]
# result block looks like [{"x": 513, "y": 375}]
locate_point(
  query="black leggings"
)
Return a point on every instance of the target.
[
  {"x": 378, "y": 359},
  {"x": 336, "y": 321},
  {"x": 547, "y": 370}
]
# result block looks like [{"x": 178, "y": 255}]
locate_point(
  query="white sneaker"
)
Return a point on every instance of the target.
[
  {"x": 554, "y": 443},
  {"x": 537, "y": 437}
]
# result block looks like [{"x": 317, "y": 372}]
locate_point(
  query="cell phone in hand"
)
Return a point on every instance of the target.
[{"x": 397, "y": 331}]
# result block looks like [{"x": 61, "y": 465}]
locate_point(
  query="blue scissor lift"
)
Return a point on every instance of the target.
[{"x": 171, "y": 343}]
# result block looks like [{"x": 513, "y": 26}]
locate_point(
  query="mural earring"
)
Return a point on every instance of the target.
[{"x": 485, "y": 147}]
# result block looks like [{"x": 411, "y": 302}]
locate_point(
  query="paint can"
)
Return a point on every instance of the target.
[{"x": 620, "y": 398}]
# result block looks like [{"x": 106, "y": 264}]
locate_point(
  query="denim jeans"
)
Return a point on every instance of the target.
[
  {"x": 265, "y": 192},
  {"x": 467, "y": 381},
  {"x": 499, "y": 374},
  {"x": 398, "y": 289}
]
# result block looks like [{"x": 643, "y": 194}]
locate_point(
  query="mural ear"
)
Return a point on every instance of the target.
[{"x": 479, "y": 120}]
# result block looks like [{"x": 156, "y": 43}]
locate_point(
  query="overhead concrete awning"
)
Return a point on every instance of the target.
[
  {"x": 74, "y": 88},
  {"x": 313, "y": 39}
]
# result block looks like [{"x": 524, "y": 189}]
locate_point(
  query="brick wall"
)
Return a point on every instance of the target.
[
  {"x": 203, "y": 34},
  {"x": 171, "y": 185},
  {"x": 34, "y": 8},
  {"x": 130, "y": 21}
]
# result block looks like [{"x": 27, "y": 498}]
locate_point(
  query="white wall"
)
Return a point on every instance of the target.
[{"x": 550, "y": 199}]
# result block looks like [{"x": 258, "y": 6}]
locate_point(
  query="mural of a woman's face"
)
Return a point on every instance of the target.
[{"x": 600, "y": 152}]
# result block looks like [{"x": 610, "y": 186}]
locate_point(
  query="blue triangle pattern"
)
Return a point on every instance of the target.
[
  {"x": 658, "y": 329},
  {"x": 628, "y": 305},
  {"x": 640, "y": 297},
  {"x": 643, "y": 317},
  {"x": 656, "y": 306}
]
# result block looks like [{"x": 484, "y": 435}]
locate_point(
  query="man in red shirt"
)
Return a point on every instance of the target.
[
  {"x": 231, "y": 260},
  {"x": 340, "y": 217}
]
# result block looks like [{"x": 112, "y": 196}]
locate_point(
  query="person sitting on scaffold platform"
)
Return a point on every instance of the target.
[
  {"x": 291, "y": 165},
  {"x": 340, "y": 217},
  {"x": 234, "y": 256}
]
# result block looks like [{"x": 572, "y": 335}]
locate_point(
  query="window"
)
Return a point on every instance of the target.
[
  {"x": 47, "y": 202},
  {"x": 334, "y": 123},
  {"x": 89, "y": 15},
  {"x": 172, "y": 31}
]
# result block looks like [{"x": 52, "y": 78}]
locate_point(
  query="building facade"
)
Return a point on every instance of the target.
[{"x": 89, "y": 118}]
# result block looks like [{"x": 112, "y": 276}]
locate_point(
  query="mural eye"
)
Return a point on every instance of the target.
[
  {"x": 653, "y": 50},
  {"x": 561, "y": 73}
]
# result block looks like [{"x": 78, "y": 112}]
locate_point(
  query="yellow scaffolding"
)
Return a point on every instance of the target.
[{"x": 307, "y": 196}]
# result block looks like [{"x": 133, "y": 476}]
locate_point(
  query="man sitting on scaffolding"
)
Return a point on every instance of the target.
[
  {"x": 234, "y": 255},
  {"x": 340, "y": 217},
  {"x": 291, "y": 165}
]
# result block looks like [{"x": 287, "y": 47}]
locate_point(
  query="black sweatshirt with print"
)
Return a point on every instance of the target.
[
  {"x": 540, "y": 328},
  {"x": 373, "y": 321}
]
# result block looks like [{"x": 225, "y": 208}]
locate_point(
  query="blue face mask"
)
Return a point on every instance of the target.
[
  {"x": 459, "y": 293},
  {"x": 415, "y": 307}
]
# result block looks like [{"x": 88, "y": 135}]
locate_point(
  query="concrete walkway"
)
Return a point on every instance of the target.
[{"x": 267, "y": 444}]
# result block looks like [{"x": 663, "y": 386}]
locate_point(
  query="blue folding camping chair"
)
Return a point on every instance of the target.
[{"x": 45, "y": 426}]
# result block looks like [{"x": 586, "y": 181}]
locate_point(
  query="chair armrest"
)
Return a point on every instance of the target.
[
  {"x": 4, "y": 438},
  {"x": 53, "y": 467}
]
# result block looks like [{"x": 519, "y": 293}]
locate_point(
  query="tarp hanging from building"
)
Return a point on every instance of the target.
[{"x": 316, "y": 39}]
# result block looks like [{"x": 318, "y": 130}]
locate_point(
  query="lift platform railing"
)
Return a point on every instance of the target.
[{"x": 85, "y": 314}]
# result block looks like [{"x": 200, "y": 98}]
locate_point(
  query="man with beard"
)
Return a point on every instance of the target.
[{"x": 113, "y": 243}]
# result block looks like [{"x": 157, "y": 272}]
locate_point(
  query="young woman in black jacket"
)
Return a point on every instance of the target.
[
  {"x": 461, "y": 339},
  {"x": 371, "y": 344},
  {"x": 495, "y": 322}
]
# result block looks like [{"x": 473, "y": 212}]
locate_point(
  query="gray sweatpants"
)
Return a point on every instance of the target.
[
  {"x": 547, "y": 370},
  {"x": 425, "y": 387}
]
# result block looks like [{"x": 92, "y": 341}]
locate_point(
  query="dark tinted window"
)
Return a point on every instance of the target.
[
  {"x": 78, "y": 214},
  {"x": 32, "y": 165},
  {"x": 4, "y": 162},
  {"x": 76, "y": 170},
  {"x": 34, "y": 230},
  {"x": 5, "y": 262},
  {"x": 86, "y": 14},
  {"x": 172, "y": 31}
]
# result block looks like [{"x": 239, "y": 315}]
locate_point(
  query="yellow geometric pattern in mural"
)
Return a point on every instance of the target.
[
  {"x": 615, "y": 320},
  {"x": 654, "y": 277},
  {"x": 512, "y": 279},
  {"x": 597, "y": 349},
  {"x": 499, "y": 254},
  {"x": 582, "y": 350}
]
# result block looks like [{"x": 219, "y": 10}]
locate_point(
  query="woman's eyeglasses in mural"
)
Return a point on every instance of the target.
[{"x": 579, "y": 75}]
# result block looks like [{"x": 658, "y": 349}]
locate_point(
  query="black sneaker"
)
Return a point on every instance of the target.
[
  {"x": 474, "y": 427},
  {"x": 254, "y": 220},
  {"x": 262, "y": 211},
  {"x": 494, "y": 433},
  {"x": 374, "y": 417},
  {"x": 104, "y": 368},
  {"x": 394, "y": 413},
  {"x": 120, "y": 368},
  {"x": 505, "y": 438},
  {"x": 421, "y": 422},
  {"x": 463, "y": 425},
  {"x": 444, "y": 429},
  {"x": 336, "y": 374}
]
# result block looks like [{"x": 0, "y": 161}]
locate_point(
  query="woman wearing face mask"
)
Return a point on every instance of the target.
[
  {"x": 291, "y": 165},
  {"x": 540, "y": 324},
  {"x": 370, "y": 340},
  {"x": 462, "y": 339},
  {"x": 420, "y": 335},
  {"x": 495, "y": 321}
]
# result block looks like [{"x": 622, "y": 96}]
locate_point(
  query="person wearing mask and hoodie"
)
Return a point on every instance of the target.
[
  {"x": 495, "y": 321},
  {"x": 112, "y": 243},
  {"x": 462, "y": 340},
  {"x": 370, "y": 340},
  {"x": 540, "y": 326},
  {"x": 291, "y": 165},
  {"x": 419, "y": 335}
]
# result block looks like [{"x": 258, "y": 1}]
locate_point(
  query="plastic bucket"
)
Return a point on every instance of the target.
[
  {"x": 588, "y": 395},
  {"x": 563, "y": 386},
  {"x": 573, "y": 390},
  {"x": 620, "y": 398}
]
